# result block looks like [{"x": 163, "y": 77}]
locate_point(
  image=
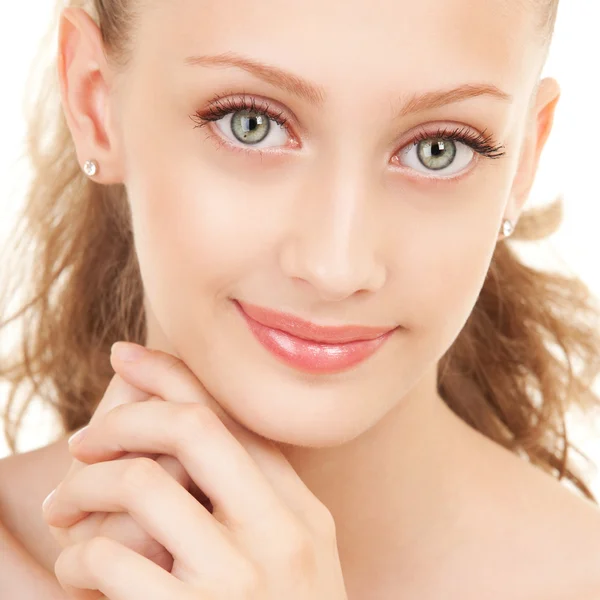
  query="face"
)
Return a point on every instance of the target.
[{"x": 339, "y": 201}]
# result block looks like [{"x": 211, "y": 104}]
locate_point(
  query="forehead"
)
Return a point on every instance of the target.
[{"x": 355, "y": 43}]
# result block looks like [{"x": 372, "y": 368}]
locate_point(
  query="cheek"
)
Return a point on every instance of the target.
[
  {"x": 194, "y": 233},
  {"x": 193, "y": 225},
  {"x": 447, "y": 280},
  {"x": 449, "y": 250}
]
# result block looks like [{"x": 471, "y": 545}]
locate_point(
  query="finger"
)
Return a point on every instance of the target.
[
  {"x": 122, "y": 528},
  {"x": 172, "y": 466},
  {"x": 118, "y": 392},
  {"x": 161, "y": 374},
  {"x": 89, "y": 525},
  {"x": 118, "y": 572},
  {"x": 214, "y": 459},
  {"x": 170, "y": 379},
  {"x": 166, "y": 511}
]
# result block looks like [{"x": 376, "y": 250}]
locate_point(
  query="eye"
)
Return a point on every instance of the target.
[
  {"x": 248, "y": 126},
  {"x": 252, "y": 128},
  {"x": 446, "y": 152}
]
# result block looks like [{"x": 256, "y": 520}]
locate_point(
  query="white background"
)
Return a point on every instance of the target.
[{"x": 570, "y": 163}]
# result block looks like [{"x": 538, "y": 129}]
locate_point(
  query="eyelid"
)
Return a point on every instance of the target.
[
  {"x": 478, "y": 143},
  {"x": 226, "y": 104},
  {"x": 274, "y": 108}
]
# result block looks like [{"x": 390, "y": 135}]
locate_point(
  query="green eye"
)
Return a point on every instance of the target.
[
  {"x": 250, "y": 127},
  {"x": 436, "y": 154},
  {"x": 446, "y": 151},
  {"x": 244, "y": 124}
]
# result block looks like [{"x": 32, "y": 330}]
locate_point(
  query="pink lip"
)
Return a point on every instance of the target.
[
  {"x": 311, "y": 347},
  {"x": 310, "y": 331}
]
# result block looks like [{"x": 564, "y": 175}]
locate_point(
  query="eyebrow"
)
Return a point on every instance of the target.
[{"x": 315, "y": 94}]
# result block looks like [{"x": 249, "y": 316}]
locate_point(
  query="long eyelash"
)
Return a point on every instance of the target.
[
  {"x": 482, "y": 144},
  {"x": 221, "y": 107}
]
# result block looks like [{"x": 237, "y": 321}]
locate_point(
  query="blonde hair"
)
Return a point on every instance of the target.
[{"x": 511, "y": 373}]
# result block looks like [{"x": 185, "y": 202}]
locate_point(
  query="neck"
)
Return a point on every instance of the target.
[{"x": 384, "y": 488}]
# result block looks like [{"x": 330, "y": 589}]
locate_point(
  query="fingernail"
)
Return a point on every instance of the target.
[
  {"x": 48, "y": 501},
  {"x": 127, "y": 352},
  {"x": 78, "y": 436}
]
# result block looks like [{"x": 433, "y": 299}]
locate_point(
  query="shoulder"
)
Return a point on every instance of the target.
[
  {"x": 569, "y": 529},
  {"x": 543, "y": 532},
  {"x": 20, "y": 575},
  {"x": 24, "y": 479},
  {"x": 518, "y": 533}
]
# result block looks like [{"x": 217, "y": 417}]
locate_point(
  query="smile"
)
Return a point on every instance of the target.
[{"x": 345, "y": 346}]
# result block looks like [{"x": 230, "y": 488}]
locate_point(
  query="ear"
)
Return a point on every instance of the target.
[
  {"x": 85, "y": 78},
  {"x": 538, "y": 130}
]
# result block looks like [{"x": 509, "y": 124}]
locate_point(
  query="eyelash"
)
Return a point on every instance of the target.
[{"x": 220, "y": 107}]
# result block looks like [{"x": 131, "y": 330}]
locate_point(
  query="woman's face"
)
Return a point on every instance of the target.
[{"x": 337, "y": 217}]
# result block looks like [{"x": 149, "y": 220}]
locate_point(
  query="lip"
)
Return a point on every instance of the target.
[
  {"x": 339, "y": 334},
  {"x": 311, "y": 355}
]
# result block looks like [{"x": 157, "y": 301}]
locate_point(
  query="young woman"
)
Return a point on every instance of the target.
[{"x": 346, "y": 384}]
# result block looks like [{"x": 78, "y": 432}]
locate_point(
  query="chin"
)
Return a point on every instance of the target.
[{"x": 301, "y": 410}]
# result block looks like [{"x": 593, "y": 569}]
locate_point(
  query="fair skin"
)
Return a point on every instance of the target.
[{"x": 284, "y": 231}]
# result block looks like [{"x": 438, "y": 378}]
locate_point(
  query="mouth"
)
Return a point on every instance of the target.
[
  {"x": 310, "y": 347},
  {"x": 301, "y": 328}
]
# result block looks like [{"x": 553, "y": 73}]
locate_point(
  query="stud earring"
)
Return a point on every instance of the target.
[
  {"x": 507, "y": 228},
  {"x": 90, "y": 168}
]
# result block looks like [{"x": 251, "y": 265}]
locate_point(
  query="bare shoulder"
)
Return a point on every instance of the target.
[
  {"x": 22, "y": 577},
  {"x": 570, "y": 526},
  {"x": 23, "y": 480},
  {"x": 545, "y": 533}
]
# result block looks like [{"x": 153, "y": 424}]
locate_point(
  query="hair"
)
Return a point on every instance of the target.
[{"x": 511, "y": 373}]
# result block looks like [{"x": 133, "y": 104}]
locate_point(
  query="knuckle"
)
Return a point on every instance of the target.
[
  {"x": 299, "y": 554},
  {"x": 91, "y": 557},
  {"x": 298, "y": 542},
  {"x": 140, "y": 474},
  {"x": 248, "y": 580},
  {"x": 111, "y": 419},
  {"x": 195, "y": 418},
  {"x": 96, "y": 552},
  {"x": 240, "y": 578}
]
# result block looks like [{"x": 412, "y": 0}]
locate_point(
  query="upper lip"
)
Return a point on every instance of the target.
[{"x": 308, "y": 330}]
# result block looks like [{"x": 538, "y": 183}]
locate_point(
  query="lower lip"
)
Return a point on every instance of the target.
[{"x": 313, "y": 357}]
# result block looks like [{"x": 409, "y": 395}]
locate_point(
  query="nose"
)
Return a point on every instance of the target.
[{"x": 333, "y": 241}]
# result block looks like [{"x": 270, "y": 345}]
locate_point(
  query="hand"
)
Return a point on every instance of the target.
[
  {"x": 122, "y": 527},
  {"x": 268, "y": 537}
]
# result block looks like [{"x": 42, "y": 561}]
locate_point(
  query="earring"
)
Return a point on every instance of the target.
[
  {"x": 507, "y": 228},
  {"x": 90, "y": 168}
]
